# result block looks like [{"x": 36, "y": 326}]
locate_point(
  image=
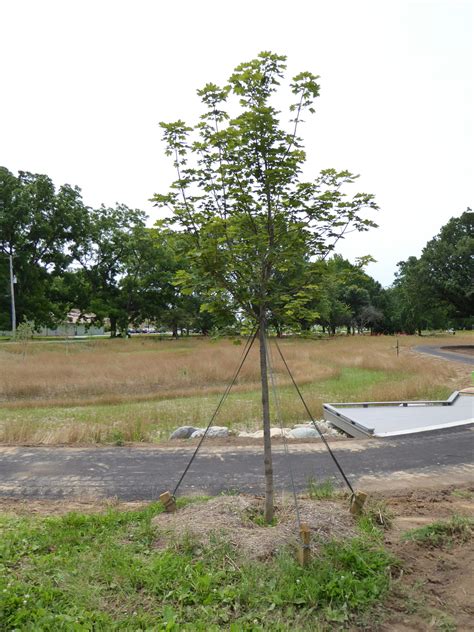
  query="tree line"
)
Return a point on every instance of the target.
[{"x": 108, "y": 263}]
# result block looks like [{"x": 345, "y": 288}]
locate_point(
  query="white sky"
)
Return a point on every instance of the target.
[{"x": 84, "y": 83}]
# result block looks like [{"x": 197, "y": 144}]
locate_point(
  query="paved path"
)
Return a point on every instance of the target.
[
  {"x": 142, "y": 473},
  {"x": 445, "y": 354}
]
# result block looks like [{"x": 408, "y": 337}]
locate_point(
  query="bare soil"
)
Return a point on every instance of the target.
[
  {"x": 435, "y": 590},
  {"x": 40, "y": 508}
]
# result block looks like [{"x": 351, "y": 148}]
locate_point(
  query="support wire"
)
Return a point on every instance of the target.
[
  {"x": 245, "y": 352},
  {"x": 323, "y": 438}
]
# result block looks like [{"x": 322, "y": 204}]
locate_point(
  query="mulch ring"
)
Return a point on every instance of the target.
[{"x": 238, "y": 520}]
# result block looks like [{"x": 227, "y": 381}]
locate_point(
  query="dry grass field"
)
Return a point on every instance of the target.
[{"x": 115, "y": 391}]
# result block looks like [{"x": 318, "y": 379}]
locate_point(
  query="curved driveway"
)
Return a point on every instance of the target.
[{"x": 445, "y": 354}]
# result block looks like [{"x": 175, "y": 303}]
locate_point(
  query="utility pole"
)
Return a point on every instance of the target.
[{"x": 12, "y": 296}]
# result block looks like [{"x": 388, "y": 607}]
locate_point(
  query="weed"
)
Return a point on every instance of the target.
[
  {"x": 412, "y": 597},
  {"x": 117, "y": 437},
  {"x": 256, "y": 515},
  {"x": 319, "y": 490},
  {"x": 369, "y": 529},
  {"x": 230, "y": 491},
  {"x": 378, "y": 514},
  {"x": 443, "y": 533},
  {"x": 443, "y": 622},
  {"x": 463, "y": 493}
]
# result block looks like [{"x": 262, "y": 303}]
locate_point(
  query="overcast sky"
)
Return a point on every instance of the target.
[{"x": 84, "y": 84}]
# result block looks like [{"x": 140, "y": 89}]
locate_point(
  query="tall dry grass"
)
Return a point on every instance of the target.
[
  {"x": 120, "y": 370},
  {"x": 63, "y": 394}
]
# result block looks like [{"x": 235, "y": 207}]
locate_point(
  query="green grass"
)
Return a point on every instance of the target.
[
  {"x": 443, "y": 533},
  {"x": 466, "y": 494},
  {"x": 320, "y": 490},
  {"x": 352, "y": 380},
  {"x": 103, "y": 572}
]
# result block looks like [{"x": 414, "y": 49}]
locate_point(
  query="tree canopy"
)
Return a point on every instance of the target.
[{"x": 240, "y": 194}]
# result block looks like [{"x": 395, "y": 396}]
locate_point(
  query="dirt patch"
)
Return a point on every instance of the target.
[
  {"x": 20, "y": 507},
  {"x": 437, "y": 586},
  {"x": 433, "y": 504},
  {"x": 236, "y": 519},
  {"x": 435, "y": 589}
]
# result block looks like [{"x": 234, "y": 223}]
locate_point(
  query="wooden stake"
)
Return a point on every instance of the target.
[
  {"x": 168, "y": 501},
  {"x": 304, "y": 552},
  {"x": 357, "y": 503}
]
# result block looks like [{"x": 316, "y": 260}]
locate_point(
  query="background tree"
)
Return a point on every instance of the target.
[
  {"x": 448, "y": 264},
  {"x": 39, "y": 227},
  {"x": 435, "y": 290},
  {"x": 414, "y": 299},
  {"x": 109, "y": 252},
  {"x": 345, "y": 296},
  {"x": 242, "y": 199}
]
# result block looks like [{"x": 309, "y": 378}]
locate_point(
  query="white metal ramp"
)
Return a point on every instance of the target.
[{"x": 389, "y": 419}]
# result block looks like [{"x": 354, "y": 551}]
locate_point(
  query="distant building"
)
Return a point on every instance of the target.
[{"x": 74, "y": 325}]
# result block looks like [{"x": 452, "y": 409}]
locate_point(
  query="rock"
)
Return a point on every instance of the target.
[
  {"x": 309, "y": 424},
  {"x": 251, "y": 435},
  {"x": 275, "y": 431},
  {"x": 213, "y": 432},
  {"x": 325, "y": 427},
  {"x": 307, "y": 432},
  {"x": 183, "y": 432}
]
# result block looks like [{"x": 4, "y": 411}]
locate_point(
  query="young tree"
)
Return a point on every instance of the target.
[{"x": 239, "y": 192}]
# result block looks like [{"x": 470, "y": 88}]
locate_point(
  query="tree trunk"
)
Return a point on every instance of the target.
[
  {"x": 267, "y": 442},
  {"x": 113, "y": 326}
]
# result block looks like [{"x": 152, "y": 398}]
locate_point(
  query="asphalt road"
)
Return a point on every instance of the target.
[
  {"x": 142, "y": 473},
  {"x": 445, "y": 354}
]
